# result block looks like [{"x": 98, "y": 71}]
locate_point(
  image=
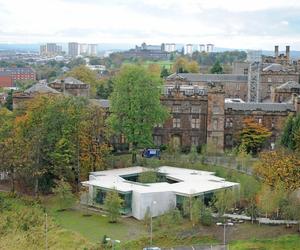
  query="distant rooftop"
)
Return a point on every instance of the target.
[
  {"x": 40, "y": 88},
  {"x": 275, "y": 67},
  {"x": 197, "y": 77},
  {"x": 248, "y": 106},
  {"x": 289, "y": 85},
  {"x": 189, "y": 181}
]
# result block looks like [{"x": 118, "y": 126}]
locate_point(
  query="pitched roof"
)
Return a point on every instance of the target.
[
  {"x": 69, "y": 80},
  {"x": 248, "y": 106},
  {"x": 41, "y": 88},
  {"x": 275, "y": 67},
  {"x": 197, "y": 77},
  {"x": 289, "y": 85}
]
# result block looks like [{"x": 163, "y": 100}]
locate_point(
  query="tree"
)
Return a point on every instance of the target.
[
  {"x": 94, "y": 148},
  {"x": 291, "y": 133},
  {"x": 264, "y": 200},
  {"x": 217, "y": 68},
  {"x": 149, "y": 176},
  {"x": 193, "y": 156},
  {"x": 64, "y": 195},
  {"x": 223, "y": 200},
  {"x": 164, "y": 72},
  {"x": 192, "y": 207},
  {"x": 9, "y": 100},
  {"x": 183, "y": 65},
  {"x": 104, "y": 88},
  {"x": 253, "y": 135},
  {"x": 279, "y": 167},
  {"x": 113, "y": 205},
  {"x": 135, "y": 106}
]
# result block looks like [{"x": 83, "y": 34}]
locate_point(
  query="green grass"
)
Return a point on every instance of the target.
[
  {"x": 96, "y": 225},
  {"x": 288, "y": 242}
]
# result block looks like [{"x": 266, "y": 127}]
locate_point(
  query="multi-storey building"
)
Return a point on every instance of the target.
[
  {"x": 92, "y": 49},
  {"x": 201, "y": 115},
  {"x": 50, "y": 49},
  {"x": 5, "y": 80},
  {"x": 73, "y": 49},
  {"x": 24, "y": 73}
]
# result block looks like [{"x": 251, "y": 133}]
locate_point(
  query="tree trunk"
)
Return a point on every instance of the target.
[
  {"x": 36, "y": 187},
  {"x": 133, "y": 157},
  {"x": 12, "y": 180}
]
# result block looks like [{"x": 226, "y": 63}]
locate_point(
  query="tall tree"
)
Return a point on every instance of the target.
[
  {"x": 135, "y": 106},
  {"x": 253, "y": 135},
  {"x": 217, "y": 68},
  {"x": 113, "y": 205}
]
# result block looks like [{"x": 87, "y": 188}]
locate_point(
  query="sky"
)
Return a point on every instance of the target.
[{"x": 255, "y": 24}]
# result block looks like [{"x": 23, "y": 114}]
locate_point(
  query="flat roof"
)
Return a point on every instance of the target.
[{"x": 190, "y": 181}]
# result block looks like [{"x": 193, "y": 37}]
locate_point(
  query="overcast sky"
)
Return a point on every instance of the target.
[{"x": 256, "y": 24}]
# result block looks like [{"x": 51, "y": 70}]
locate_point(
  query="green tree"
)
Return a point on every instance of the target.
[
  {"x": 287, "y": 134},
  {"x": 148, "y": 176},
  {"x": 113, "y": 205},
  {"x": 135, "y": 106},
  {"x": 193, "y": 155},
  {"x": 9, "y": 100},
  {"x": 217, "y": 68},
  {"x": 64, "y": 195},
  {"x": 164, "y": 72},
  {"x": 223, "y": 200}
]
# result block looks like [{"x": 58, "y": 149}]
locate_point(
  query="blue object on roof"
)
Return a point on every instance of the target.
[{"x": 151, "y": 152}]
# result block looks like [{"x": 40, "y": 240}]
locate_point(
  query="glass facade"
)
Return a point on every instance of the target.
[{"x": 100, "y": 194}]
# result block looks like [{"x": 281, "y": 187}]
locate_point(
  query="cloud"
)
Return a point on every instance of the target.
[{"x": 242, "y": 24}]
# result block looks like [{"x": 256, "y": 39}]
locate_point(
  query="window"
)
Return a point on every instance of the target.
[
  {"x": 195, "y": 140},
  {"x": 176, "y": 122},
  {"x": 215, "y": 123},
  {"x": 176, "y": 109},
  {"x": 228, "y": 140},
  {"x": 228, "y": 123},
  {"x": 195, "y": 123},
  {"x": 259, "y": 120},
  {"x": 269, "y": 79},
  {"x": 216, "y": 108},
  {"x": 157, "y": 140},
  {"x": 195, "y": 109},
  {"x": 238, "y": 86}
]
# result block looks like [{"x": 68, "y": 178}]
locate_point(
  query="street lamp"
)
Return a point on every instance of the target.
[
  {"x": 224, "y": 224},
  {"x": 151, "y": 221},
  {"x": 113, "y": 242}
]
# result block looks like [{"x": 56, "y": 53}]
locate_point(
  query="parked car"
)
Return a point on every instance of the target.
[
  {"x": 152, "y": 248},
  {"x": 151, "y": 152}
]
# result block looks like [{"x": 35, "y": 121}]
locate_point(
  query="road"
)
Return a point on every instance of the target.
[{"x": 214, "y": 247}]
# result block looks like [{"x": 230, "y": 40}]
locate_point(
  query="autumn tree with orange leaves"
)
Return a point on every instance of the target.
[
  {"x": 253, "y": 135},
  {"x": 277, "y": 167}
]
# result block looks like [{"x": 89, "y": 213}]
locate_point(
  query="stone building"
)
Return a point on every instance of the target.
[
  {"x": 273, "y": 76},
  {"x": 68, "y": 87},
  {"x": 71, "y": 86},
  {"x": 235, "y": 86},
  {"x": 202, "y": 116}
]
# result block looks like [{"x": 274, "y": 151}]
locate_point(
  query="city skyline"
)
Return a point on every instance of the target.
[{"x": 229, "y": 24}]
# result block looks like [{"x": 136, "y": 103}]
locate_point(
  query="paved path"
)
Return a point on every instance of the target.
[{"x": 207, "y": 247}]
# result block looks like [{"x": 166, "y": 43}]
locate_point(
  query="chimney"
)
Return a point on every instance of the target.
[
  {"x": 287, "y": 51},
  {"x": 296, "y": 102},
  {"x": 276, "y": 51}
]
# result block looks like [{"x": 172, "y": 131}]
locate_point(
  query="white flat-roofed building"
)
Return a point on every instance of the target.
[{"x": 160, "y": 197}]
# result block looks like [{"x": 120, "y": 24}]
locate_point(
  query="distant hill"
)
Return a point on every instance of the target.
[{"x": 125, "y": 46}]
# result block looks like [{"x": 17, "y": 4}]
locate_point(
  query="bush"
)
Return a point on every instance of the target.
[
  {"x": 206, "y": 217},
  {"x": 148, "y": 177}
]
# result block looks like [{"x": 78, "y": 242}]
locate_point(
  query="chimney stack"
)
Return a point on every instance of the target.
[
  {"x": 276, "y": 51},
  {"x": 287, "y": 51}
]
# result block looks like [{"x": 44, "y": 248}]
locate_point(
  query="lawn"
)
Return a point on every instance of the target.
[
  {"x": 96, "y": 225},
  {"x": 288, "y": 242}
]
